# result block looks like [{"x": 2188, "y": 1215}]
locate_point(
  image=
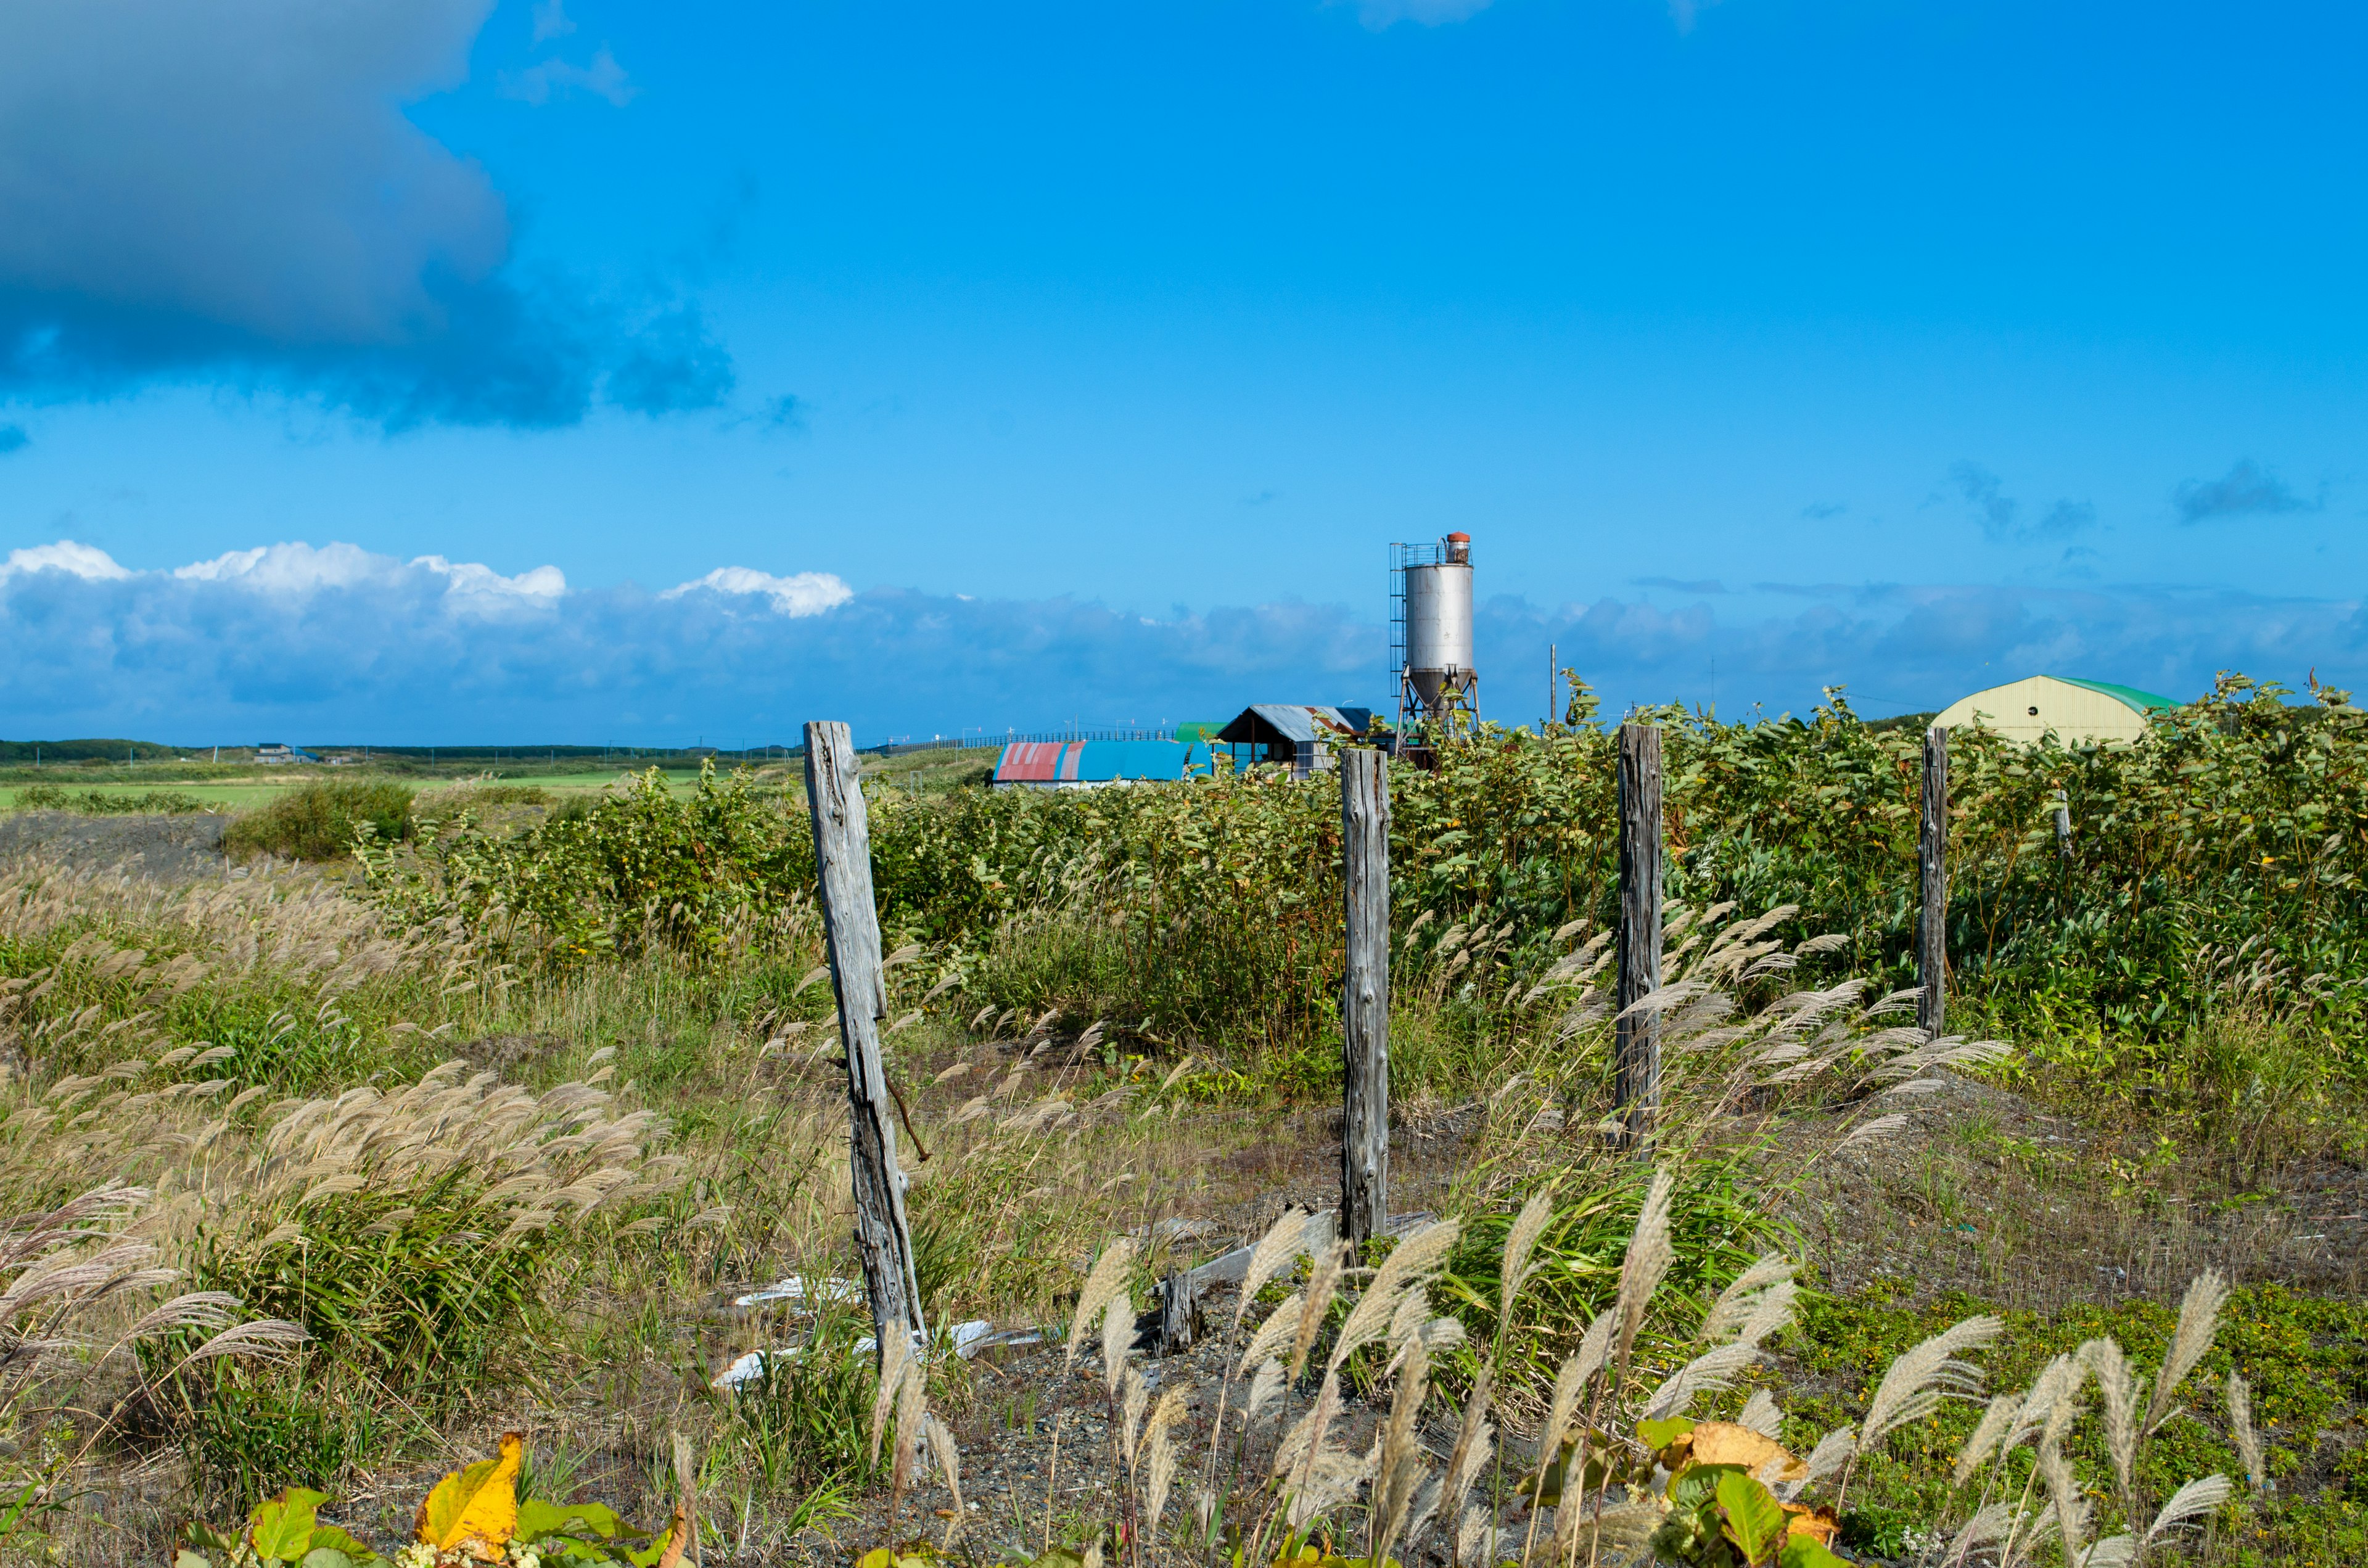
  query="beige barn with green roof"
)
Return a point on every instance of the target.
[{"x": 2077, "y": 711}]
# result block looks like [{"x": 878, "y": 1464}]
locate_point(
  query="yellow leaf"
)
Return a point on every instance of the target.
[
  {"x": 1818, "y": 1524},
  {"x": 474, "y": 1511},
  {"x": 1725, "y": 1442}
]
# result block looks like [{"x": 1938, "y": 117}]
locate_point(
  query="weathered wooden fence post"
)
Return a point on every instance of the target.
[
  {"x": 1933, "y": 923},
  {"x": 1637, "y": 1034},
  {"x": 851, "y": 922},
  {"x": 1365, "y": 995}
]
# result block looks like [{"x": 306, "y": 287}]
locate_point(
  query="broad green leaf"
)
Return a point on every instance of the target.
[
  {"x": 210, "y": 1540},
  {"x": 280, "y": 1529},
  {"x": 1660, "y": 1435},
  {"x": 538, "y": 1520},
  {"x": 1803, "y": 1552},
  {"x": 1059, "y": 1557},
  {"x": 335, "y": 1539},
  {"x": 1755, "y": 1520},
  {"x": 328, "y": 1557},
  {"x": 184, "y": 1558},
  {"x": 1698, "y": 1483}
]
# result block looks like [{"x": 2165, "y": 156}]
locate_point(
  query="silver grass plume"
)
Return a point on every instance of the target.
[
  {"x": 1647, "y": 1259},
  {"x": 910, "y": 1406},
  {"x": 1162, "y": 1467},
  {"x": 2118, "y": 1390},
  {"x": 1103, "y": 1284},
  {"x": 1408, "y": 1268},
  {"x": 1273, "y": 1254},
  {"x": 1520, "y": 1243},
  {"x": 1570, "y": 1381},
  {"x": 1925, "y": 1375},
  {"x": 1991, "y": 1430},
  {"x": 892, "y": 1356},
  {"x": 1706, "y": 1373},
  {"x": 1401, "y": 1469},
  {"x": 939, "y": 1442},
  {"x": 1477, "y": 1540},
  {"x": 1474, "y": 1442},
  {"x": 1991, "y": 1524},
  {"x": 2071, "y": 1504},
  {"x": 1132, "y": 1404},
  {"x": 1733, "y": 1307},
  {"x": 2195, "y": 1500},
  {"x": 1280, "y": 1326},
  {"x": 1118, "y": 1329},
  {"x": 1321, "y": 1284},
  {"x": 1266, "y": 1392},
  {"x": 2240, "y": 1425},
  {"x": 1833, "y": 1451},
  {"x": 1760, "y": 1414},
  {"x": 2199, "y": 1321}
]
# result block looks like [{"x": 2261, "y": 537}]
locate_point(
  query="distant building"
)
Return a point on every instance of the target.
[
  {"x": 1085, "y": 764},
  {"x": 2077, "y": 711},
  {"x": 1299, "y": 736},
  {"x": 274, "y": 753}
]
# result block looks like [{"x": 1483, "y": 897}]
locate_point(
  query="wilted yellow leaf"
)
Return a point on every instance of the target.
[
  {"x": 1723, "y": 1442},
  {"x": 475, "y": 1510},
  {"x": 1818, "y": 1524}
]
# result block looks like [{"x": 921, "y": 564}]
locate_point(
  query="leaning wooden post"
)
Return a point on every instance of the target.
[
  {"x": 1932, "y": 922},
  {"x": 1637, "y": 1033},
  {"x": 1365, "y": 996},
  {"x": 851, "y": 922}
]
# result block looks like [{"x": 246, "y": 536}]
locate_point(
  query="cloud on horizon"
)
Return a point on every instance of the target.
[
  {"x": 234, "y": 196},
  {"x": 337, "y": 643}
]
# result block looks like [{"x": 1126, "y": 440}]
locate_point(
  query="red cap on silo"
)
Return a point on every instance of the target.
[{"x": 1460, "y": 539}]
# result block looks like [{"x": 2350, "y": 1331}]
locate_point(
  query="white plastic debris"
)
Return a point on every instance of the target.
[
  {"x": 801, "y": 1292},
  {"x": 965, "y": 1339}
]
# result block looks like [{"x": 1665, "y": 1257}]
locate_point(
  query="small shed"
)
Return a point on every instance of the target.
[
  {"x": 2077, "y": 711},
  {"x": 1299, "y": 736},
  {"x": 1084, "y": 764}
]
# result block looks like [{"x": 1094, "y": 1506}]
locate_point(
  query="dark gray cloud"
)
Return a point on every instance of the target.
[
  {"x": 233, "y": 194},
  {"x": 1997, "y": 513},
  {"x": 339, "y": 642},
  {"x": 2246, "y": 490}
]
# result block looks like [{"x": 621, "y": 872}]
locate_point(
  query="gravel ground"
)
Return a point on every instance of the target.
[{"x": 174, "y": 848}]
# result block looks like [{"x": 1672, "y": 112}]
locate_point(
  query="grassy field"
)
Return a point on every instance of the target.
[{"x": 516, "y": 1123}]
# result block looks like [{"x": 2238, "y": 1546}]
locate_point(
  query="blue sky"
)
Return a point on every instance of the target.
[{"x": 644, "y": 374}]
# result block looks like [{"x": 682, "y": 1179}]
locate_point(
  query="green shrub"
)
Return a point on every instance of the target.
[
  {"x": 320, "y": 822},
  {"x": 109, "y": 803}
]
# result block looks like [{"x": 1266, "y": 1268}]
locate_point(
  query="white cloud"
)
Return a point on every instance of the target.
[
  {"x": 542, "y": 582},
  {"x": 806, "y": 593},
  {"x": 83, "y": 561},
  {"x": 339, "y": 642},
  {"x": 290, "y": 568}
]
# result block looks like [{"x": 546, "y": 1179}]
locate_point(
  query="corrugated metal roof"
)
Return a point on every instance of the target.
[
  {"x": 1296, "y": 722},
  {"x": 1099, "y": 762}
]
